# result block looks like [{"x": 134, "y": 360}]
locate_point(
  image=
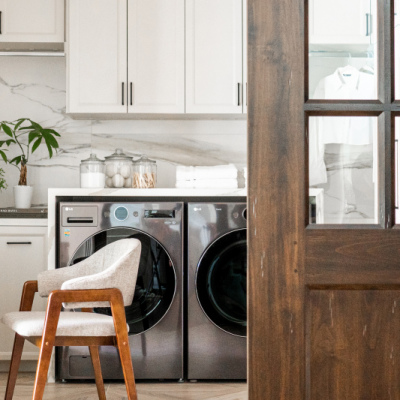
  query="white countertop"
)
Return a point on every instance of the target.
[{"x": 161, "y": 192}]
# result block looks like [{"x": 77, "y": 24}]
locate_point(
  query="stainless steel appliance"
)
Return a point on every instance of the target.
[
  {"x": 155, "y": 316},
  {"x": 217, "y": 266}
]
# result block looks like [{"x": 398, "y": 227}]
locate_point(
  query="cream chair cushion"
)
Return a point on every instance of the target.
[{"x": 31, "y": 323}]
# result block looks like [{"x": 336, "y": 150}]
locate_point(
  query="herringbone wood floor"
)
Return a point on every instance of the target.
[{"x": 116, "y": 391}]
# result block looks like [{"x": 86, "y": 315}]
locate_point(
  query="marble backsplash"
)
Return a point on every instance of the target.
[{"x": 34, "y": 87}]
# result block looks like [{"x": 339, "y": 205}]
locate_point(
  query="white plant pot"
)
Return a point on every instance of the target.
[{"x": 23, "y": 196}]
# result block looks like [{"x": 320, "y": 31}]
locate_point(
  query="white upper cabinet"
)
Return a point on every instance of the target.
[
  {"x": 156, "y": 56},
  {"x": 341, "y": 22},
  {"x": 32, "y": 20},
  {"x": 96, "y": 56},
  {"x": 214, "y": 56}
]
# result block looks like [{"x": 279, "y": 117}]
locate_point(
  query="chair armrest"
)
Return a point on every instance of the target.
[
  {"x": 28, "y": 293},
  {"x": 58, "y": 297}
]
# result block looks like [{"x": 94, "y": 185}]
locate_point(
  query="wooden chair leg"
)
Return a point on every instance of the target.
[
  {"x": 127, "y": 369},
  {"x": 14, "y": 365},
  {"x": 94, "y": 354},
  {"x": 42, "y": 370}
]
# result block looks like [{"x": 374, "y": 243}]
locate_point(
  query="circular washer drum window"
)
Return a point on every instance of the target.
[{"x": 221, "y": 282}]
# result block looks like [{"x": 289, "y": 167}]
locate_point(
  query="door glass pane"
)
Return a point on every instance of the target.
[
  {"x": 342, "y": 49},
  {"x": 343, "y": 170}
]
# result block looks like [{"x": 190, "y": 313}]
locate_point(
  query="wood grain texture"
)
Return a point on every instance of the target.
[
  {"x": 348, "y": 256},
  {"x": 353, "y": 341},
  {"x": 276, "y": 199}
]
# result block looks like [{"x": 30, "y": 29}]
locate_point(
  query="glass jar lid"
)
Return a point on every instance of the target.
[
  {"x": 92, "y": 160},
  {"x": 118, "y": 155},
  {"x": 144, "y": 160}
]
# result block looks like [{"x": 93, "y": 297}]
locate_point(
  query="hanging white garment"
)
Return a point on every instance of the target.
[{"x": 345, "y": 83}]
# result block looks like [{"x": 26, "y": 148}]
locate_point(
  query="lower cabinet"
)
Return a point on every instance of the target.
[{"x": 23, "y": 256}]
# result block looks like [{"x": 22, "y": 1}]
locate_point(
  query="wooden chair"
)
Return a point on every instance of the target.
[{"x": 105, "y": 279}]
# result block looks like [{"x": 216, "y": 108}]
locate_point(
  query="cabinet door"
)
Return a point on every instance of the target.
[
  {"x": 23, "y": 256},
  {"x": 32, "y": 20},
  {"x": 340, "y": 21},
  {"x": 213, "y": 56},
  {"x": 156, "y": 56},
  {"x": 96, "y": 56}
]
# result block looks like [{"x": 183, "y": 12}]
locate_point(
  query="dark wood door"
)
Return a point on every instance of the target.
[{"x": 324, "y": 317}]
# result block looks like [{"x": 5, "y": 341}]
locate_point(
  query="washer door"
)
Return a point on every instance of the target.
[
  {"x": 156, "y": 281},
  {"x": 221, "y": 282}
]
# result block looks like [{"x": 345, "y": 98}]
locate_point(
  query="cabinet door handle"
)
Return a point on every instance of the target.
[
  {"x": 247, "y": 94},
  {"x": 0, "y": 21},
  {"x": 131, "y": 93},
  {"x": 19, "y": 242},
  {"x": 123, "y": 92},
  {"x": 238, "y": 86}
]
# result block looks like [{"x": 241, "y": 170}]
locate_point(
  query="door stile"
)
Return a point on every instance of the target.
[{"x": 276, "y": 199}]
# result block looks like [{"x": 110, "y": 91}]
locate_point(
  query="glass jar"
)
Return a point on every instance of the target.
[
  {"x": 92, "y": 172},
  {"x": 118, "y": 170},
  {"x": 144, "y": 173}
]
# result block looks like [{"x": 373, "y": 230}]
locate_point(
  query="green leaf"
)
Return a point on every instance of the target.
[
  {"x": 36, "y": 125},
  {"x": 9, "y": 141},
  {"x": 20, "y": 121},
  {"x": 50, "y": 150},
  {"x": 7, "y": 130},
  {"x": 50, "y": 140},
  {"x": 55, "y": 133},
  {"x": 33, "y": 135},
  {"x": 36, "y": 144},
  {"x": 16, "y": 160},
  {"x": 3, "y": 156}
]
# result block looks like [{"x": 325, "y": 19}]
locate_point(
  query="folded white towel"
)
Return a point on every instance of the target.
[
  {"x": 207, "y": 183},
  {"x": 206, "y": 172}
]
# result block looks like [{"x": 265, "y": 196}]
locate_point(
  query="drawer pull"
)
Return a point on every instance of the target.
[{"x": 19, "y": 242}]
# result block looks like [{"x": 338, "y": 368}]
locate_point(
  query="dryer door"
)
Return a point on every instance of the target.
[
  {"x": 156, "y": 281},
  {"x": 221, "y": 282}
]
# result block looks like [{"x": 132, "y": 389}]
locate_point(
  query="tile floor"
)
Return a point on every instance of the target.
[{"x": 116, "y": 391}]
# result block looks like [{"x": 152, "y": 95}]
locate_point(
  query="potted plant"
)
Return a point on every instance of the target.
[{"x": 26, "y": 136}]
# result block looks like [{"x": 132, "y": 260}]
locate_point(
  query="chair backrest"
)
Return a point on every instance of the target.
[{"x": 113, "y": 266}]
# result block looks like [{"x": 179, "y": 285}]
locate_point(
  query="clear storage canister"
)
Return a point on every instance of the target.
[
  {"x": 144, "y": 173},
  {"x": 92, "y": 172},
  {"x": 118, "y": 170}
]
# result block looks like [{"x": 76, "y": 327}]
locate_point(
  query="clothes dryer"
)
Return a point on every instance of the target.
[
  {"x": 217, "y": 268},
  {"x": 155, "y": 317}
]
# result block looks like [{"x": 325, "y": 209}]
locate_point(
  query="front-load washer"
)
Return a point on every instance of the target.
[
  {"x": 155, "y": 317},
  {"x": 217, "y": 268}
]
